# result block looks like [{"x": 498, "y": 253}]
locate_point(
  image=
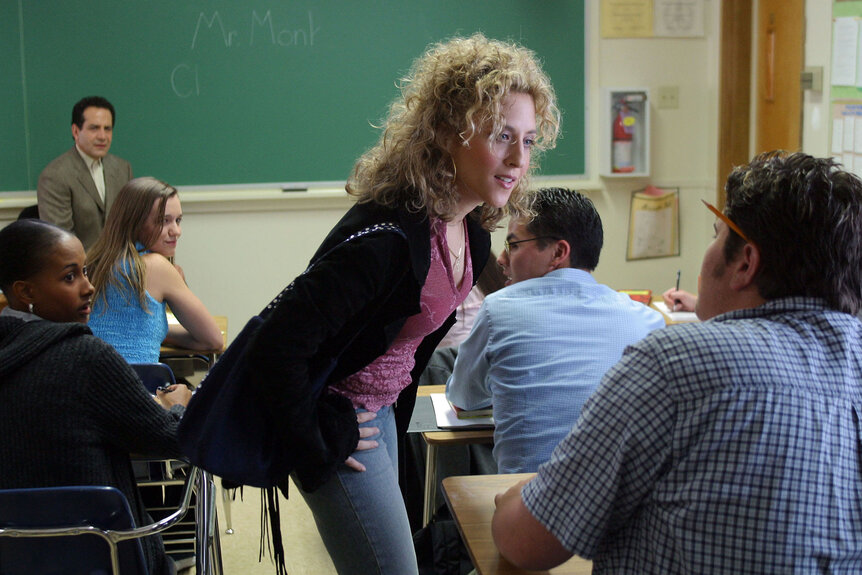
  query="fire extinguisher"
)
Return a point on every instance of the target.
[{"x": 623, "y": 134}]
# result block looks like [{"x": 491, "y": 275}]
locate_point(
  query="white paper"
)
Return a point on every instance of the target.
[
  {"x": 849, "y": 125},
  {"x": 675, "y": 316},
  {"x": 837, "y": 135},
  {"x": 858, "y": 54},
  {"x": 653, "y": 233},
  {"x": 845, "y": 36},
  {"x": 446, "y": 417},
  {"x": 857, "y": 165},
  {"x": 857, "y": 134},
  {"x": 678, "y": 18}
]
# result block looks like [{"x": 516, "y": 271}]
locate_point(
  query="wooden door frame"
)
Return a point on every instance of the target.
[{"x": 734, "y": 114}]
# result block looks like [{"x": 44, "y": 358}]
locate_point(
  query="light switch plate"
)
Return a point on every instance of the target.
[{"x": 668, "y": 97}]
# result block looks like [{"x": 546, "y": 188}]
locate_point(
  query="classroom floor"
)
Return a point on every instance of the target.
[{"x": 304, "y": 551}]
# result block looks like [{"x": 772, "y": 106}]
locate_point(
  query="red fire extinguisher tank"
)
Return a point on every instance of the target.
[{"x": 623, "y": 135}]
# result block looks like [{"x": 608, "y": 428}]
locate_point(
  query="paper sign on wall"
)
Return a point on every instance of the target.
[{"x": 654, "y": 223}]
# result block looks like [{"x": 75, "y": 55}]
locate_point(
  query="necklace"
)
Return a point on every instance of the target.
[{"x": 457, "y": 255}]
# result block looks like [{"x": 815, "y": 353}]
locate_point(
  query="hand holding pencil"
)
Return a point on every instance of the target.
[{"x": 679, "y": 300}]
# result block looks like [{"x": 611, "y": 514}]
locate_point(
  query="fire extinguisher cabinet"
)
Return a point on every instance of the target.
[{"x": 625, "y": 133}]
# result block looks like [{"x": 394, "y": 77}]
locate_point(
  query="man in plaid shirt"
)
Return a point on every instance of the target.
[{"x": 733, "y": 445}]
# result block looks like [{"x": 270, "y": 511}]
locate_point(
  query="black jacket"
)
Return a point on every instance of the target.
[
  {"x": 71, "y": 411},
  {"x": 350, "y": 305}
]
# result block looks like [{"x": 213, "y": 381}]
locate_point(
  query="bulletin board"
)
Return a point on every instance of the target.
[{"x": 846, "y": 85}]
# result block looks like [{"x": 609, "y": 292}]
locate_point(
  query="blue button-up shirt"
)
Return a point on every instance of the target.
[{"x": 537, "y": 350}]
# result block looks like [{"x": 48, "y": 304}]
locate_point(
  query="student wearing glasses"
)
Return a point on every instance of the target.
[
  {"x": 540, "y": 346},
  {"x": 731, "y": 445}
]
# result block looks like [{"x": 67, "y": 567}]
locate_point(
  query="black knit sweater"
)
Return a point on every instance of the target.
[{"x": 71, "y": 411}]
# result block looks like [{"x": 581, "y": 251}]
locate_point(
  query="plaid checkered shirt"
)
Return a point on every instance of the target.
[{"x": 730, "y": 446}]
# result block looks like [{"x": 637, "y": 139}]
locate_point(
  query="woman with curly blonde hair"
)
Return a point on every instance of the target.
[{"x": 453, "y": 159}]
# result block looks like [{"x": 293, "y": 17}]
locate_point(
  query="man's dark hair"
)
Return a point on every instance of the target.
[
  {"x": 91, "y": 102},
  {"x": 805, "y": 216},
  {"x": 569, "y": 215}
]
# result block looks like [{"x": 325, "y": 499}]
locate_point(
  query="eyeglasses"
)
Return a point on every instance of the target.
[
  {"x": 508, "y": 245},
  {"x": 727, "y": 220}
]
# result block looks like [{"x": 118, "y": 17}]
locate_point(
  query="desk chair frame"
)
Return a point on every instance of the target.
[
  {"x": 207, "y": 359},
  {"x": 154, "y": 375},
  {"x": 113, "y": 537},
  {"x": 206, "y": 531}
]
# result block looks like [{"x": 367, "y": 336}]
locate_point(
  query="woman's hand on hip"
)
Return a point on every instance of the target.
[{"x": 363, "y": 444}]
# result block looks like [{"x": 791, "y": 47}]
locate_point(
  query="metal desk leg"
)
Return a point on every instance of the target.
[
  {"x": 215, "y": 548},
  {"x": 430, "y": 482},
  {"x": 226, "y": 501},
  {"x": 204, "y": 524}
]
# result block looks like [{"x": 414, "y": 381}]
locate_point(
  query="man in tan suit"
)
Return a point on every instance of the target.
[{"x": 76, "y": 190}]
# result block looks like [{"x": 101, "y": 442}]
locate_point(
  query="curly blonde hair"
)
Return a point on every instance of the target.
[{"x": 457, "y": 88}]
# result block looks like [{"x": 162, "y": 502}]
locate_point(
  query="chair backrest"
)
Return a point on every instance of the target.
[
  {"x": 154, "y": 375},
  {"x": 73, "y": 548},
  {"x": 29, "y": 213}
]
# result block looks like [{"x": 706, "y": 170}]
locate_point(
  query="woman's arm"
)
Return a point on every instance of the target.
[
  {"x": 197, "y": 328},
  {"x": 339, "y": 289},
  {"x": 121, "y": 407}
]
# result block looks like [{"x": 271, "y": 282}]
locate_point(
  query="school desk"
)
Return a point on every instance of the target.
[
  {"x": 172, "y": 352},
  {"x": 471, "y": 501},
  {"x": 433, "y": 440}
]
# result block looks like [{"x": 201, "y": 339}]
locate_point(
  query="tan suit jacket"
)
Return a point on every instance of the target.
[{"x": 67, "y": 195}]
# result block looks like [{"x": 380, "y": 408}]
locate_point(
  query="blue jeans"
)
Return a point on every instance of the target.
[{"x": 360, "y": 514}]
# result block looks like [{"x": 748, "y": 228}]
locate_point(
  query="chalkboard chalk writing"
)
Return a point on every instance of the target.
[
  {"x": 285, "y": 93},
  {"x": 261, "y": 30}
]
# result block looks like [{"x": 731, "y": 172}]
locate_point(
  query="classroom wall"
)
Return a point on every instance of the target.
[
  {"x": 239, "y": 248},
  {"x": 816, "y": 114},
  {"x": 683, "y": 145}
]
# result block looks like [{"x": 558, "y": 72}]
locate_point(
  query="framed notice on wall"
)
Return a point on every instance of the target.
[
  {"x": 846, "y": 85},
  {"x": 653, "y": 223}
]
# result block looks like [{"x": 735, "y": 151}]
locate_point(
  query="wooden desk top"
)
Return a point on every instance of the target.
[
  {"x": 471, "y": 500},
  {"x": 460, "y": 436},
  {"x": 221, "y": 322}
]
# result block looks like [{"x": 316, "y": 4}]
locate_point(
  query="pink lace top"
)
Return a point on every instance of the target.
[{"x": 380, "y": 382}]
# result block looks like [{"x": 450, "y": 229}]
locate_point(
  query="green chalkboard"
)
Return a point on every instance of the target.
[{"x": 216, "y": 92}]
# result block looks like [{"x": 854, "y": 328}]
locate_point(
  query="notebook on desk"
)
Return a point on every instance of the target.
[
  {"x": 448, "y": 419},
  {"x": 423, "y": 418},
  {"x": 675, "y": 316}
]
